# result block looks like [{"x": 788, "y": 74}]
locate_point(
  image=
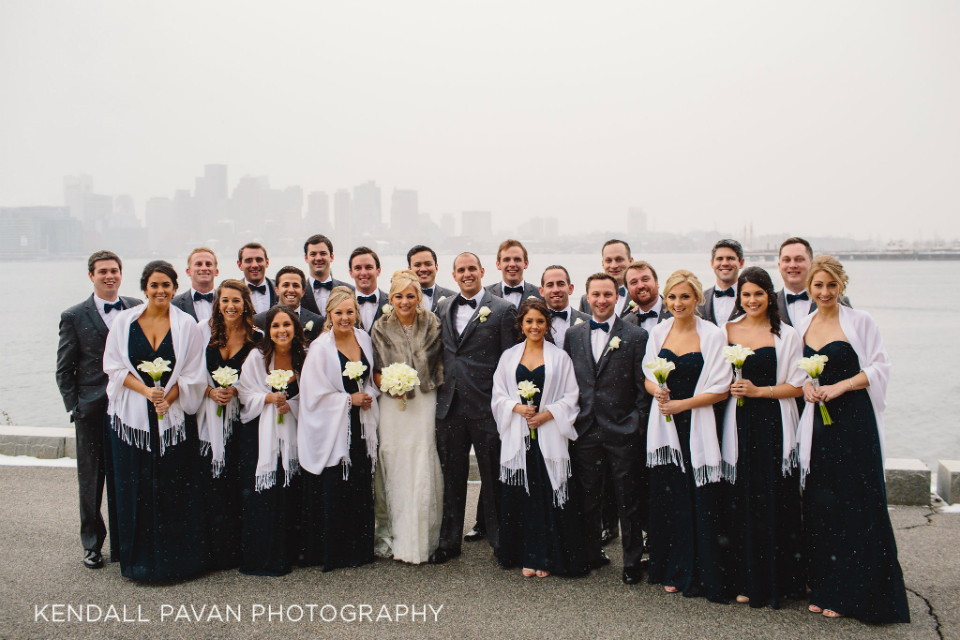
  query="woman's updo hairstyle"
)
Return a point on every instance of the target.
[
  {"x": 158, "y": 266},
  {"x": 679, "y": 277},
  {"x": 832, "y": 266},
  {"x": 337, "y": 296},
  {"x": 400, "y": 280},
  {"x": 533, "y": 304}
]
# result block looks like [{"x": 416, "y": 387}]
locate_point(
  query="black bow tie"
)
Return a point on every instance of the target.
[
  {"x": 461, "y": 301},
  {"x": 559, "y": 314},
  {"x": 719, "y": 293},
  {"x": 259, "y": 288},
  {"x": 365, "y": 299},
  {"x": 328, "y": 285},
  {"x": 208, "y": 297},
  {"x": 107, "y": 308},
  {"x": 427, "y": 292},
  {"x": 508, "y": 290},
  {"x": 791, "y": 297},
  {"x": 622, "y": 292},
  {"x": 603, "y": 326},
  {"x": 647, "y": 315}
]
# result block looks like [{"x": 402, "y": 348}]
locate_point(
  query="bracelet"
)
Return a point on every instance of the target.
[
  {"x": 771, "y": 391},
  {"x": 850, "y": 382}
]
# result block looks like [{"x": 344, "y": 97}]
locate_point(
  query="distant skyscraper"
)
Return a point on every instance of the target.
[
  {"x": 39, "y": 231},
  {"x": 293, "y": 210},
  {"x": 318, "y": 214},
  {"x": 404, "y": 215},
  {"x": 342, "y": 205},
  {"x": 366, "y": 213},
  {"x": 448, "y": 225},
  {"x": 161, "y": 227},
  {"x": 74, "y": 188},
  {"x": 477, "y": 225},
  {"x": 246, "y": 208},
  {"x": 211, "y": 202},
  {"x": 636, "y": 222},
  {"x": 551, "y": 227}
]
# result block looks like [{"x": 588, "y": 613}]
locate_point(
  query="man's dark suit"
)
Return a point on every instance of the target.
[
  {"x": 310, "y": 302},
  {"x": 529, "y": 290},
  {"x": 611, "y": 427},
  {"x": 306, "y": 317},
  {"x": 382, "y": 299},
  {"x": 440, "y": 292},
  {"x": 83, "y": 385},
  {"x": 706, "y": 309},
  {"x": 464, "y": 416}
]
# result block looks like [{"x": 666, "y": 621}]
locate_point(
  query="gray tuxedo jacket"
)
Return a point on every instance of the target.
[
  {"x": 310, "y": 302},
  {"x": 634, "y": 319},
  {"x": 440, "y": 292},
  {"x": 184, "y": 302},
  {"x": 574, "y": 316},
  {"x": 613, "y": 398},
  {"x": 706, "y": 309},
  {"x": 306, "y": 316},
  {"x": 782, "y": 306},
  {"x": 471, "y": 358},
  {"x": 496, "y": 289},
  {"x": 83, "y": 337}
]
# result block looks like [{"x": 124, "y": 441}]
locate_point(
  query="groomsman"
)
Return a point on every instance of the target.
[
  {"x": 726, "y": 260},
  {"x": 83, "y": 385},
  {"x": 556, "y": 289},
  {"x": 615, "y": 257},
  {"x": 607, "y": 356},
  {"x": 318, "y": 254},
  {"x": 476, "y": 328},
  {"x": 290, "y": 286},
  {"x": 423, "y": 261},
  {"x": 644, "y": 290},
  {"x": 198, "y": 299},
  {"x": 252, "y": 260},
  {"x": 512, "y": 261},
  {"x": 365, "y": 269}
]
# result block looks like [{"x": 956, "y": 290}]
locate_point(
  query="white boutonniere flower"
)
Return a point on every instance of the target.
[
  {"x": 613, "y": 344},
  {"x": 308, "y": 326},
  {"x": 579, "y": 321},
  {"x": 442, "y": 298},
  {"x": 386, "y": 309},
  {"x": 531, "y": 297},
  {"x": 633, "y": 304},
  {"x": 483, "y": 313}
]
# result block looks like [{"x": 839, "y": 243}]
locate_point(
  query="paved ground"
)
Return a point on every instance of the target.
[{"x": 40, "y": 565}]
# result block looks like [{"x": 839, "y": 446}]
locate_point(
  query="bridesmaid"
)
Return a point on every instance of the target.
[
  {"x": 269, "y": 470},
  {"x": 232, "y": 335},
  {"x": 338, "y": 441},
  {"x": 851, "y": 550},
  {"x": 763, "y": 497},
  {"x": 540, "y": 528},
  {"x": 159, "y": 510},
  {"x": 687, "y": 536}
]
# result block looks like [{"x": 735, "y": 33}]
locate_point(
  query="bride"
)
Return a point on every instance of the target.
[{"x": 409, "y": 483}]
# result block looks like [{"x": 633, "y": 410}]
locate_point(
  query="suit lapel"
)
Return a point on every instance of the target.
[
  {"x": 615, "y": 330},
  {"x": 708, "y": 307},
  {"x": 95, "y": 318},
  {"x": 586, "y": 339}
]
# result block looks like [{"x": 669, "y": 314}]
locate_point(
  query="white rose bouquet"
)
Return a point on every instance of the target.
[
  {"x": 736, "y": 355},
  {"x": 814, "y": 367},
  {"x": 225, "y": 377},
  {"x": 278, "y": 381},
  {"x": 398, "y": 380},
  {"x": 661, "y": 368},
  {"x": 527, "y": 391},
  {"x": 155, "y": 370}
]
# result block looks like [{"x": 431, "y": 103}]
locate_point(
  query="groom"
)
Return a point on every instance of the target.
[{"x": 477, "y": 328}]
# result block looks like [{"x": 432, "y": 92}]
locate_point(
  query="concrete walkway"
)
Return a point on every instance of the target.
[{"x": 40, "y": 565}]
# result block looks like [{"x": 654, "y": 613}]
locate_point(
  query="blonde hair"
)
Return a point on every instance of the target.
[
  {"x": 679, "y": 277},
  {"x": 402, "y": 279},
  {"x": 337, "y": 296},
  {"x": 833, "y": 267}
]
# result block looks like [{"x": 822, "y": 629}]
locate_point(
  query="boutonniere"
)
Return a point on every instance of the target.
[
  {"x": 633, "y": 305},
  {"x": 483, "y": 313},
  {"x": 442, "y": 298},
  {"x": 531, "y": 297},
  {"x": 613, "y": 344},
  {"x": 386, "y": 309},
  {"x": 579, "y": 321},
  {"x": 308, "y": 326}
]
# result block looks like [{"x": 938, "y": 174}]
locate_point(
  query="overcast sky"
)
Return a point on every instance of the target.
[{"x": 812, "y": 118}]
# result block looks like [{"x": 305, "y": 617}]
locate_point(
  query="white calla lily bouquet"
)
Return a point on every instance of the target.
[
  {"x": 398, "y": 380},
  {"x": 355, "y": 370},
  {"x": 527, "y": 391},
  {"x": 155, "y": 370},
  {"x": 661, "y": 368},
  {"x": 814, "y": 367},
  {"x": 225, "y": 377},
  {"x": 736, "y": 355},
  {"x": 278, "y": 381}
]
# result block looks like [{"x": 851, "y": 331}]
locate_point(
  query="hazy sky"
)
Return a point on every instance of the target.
[{"x": 832, "y": 117}]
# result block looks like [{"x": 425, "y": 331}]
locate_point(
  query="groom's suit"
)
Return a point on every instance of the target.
[{"x": 464, "y": 416}]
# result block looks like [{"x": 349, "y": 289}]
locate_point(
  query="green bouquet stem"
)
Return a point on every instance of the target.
[
  {"x": 738, "y": 376},
  {"x": 827, "y": 420},
  {"x": 157, "y": 385}
]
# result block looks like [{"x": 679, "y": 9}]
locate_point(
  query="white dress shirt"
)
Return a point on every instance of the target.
[
  {"x": 368, "y": 311},
  {"x": 559, "y": 326},
  {"x": 465, "y": 311},
  {"x": 514, "y": 298},
  {"x": 106, "y": 317},
  {"x": 723, "y": 307},
  {"x": 202, "y": 308},
  {"x": 320, "y": 296},
  {"x": 600, "y": 338},
  {"x": 649, "y": 323},
  {"x": 427, "y": 302},
  {"x": 261, "y": 301},
  {"x": 798, "y": 309}
]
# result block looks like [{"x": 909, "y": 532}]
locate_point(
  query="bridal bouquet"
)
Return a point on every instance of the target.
[
  {"x": 278, "y": 381},
  {"x": 155, "y": 370},
  {"x": 399, "y": 379},
  {"x": 736, "y": 355},
  {"x": 527, "y": 391},
  {"x": 814, "y": 367},
  {"x": 225, "y": 377},
  {"x": 661, "y": 368}
]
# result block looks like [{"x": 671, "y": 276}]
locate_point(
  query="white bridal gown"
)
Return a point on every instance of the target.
[{"x": 409, "y": 483}]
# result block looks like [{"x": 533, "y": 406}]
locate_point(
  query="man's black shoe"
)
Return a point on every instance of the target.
[
  {"x": 631, "y": 575},
  {"x": 442, "y": 555},
  {"x": 604, "y": 558},
  {"x": 92, "y": 560},
  {"x": 606, "y": 537},
  {"x": 475, "y": 535}
]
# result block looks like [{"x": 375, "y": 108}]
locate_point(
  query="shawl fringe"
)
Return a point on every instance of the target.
[
  {"x": 268, "y": 480},
  {"x": 705, "y": 474},
  {"x": 135, "y": 437},
  {"x": 665, "y": 455},
  {"x": 559, "y": 468},
  {"x": 729, "y": 472}
]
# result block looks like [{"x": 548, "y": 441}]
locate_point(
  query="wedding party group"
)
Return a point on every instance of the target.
[{"x": 731, "y": 437}]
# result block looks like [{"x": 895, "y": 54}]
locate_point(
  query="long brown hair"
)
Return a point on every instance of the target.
[
  {"x": 298, "y": 352},
  {"x": 218, "y": 324}
]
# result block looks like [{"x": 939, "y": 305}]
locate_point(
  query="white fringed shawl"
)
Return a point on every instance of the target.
[
  {"x": 864, "y": 336},
  {"x": 324, "y": 434},
  {"x": 127, "y": 410},
  {"x": 789, "y": 350},
  {"x": 560, "y": 396},
  {"x": 663, "y": 445},
  {"x": 273, "y": 439}
]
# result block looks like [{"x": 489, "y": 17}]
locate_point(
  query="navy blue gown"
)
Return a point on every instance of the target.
[
  {"x": 687, "y": 537},
  {"x": 763, "y": 507},
  {"x": 160, "y": 517},
  {"x": 223, "y": 501},
  {"x": 271, "y": 517},
  {"x": 534, "y": 533},
  {"x": 852, "y": 564},
  {"x": 338, "y": 516}
]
